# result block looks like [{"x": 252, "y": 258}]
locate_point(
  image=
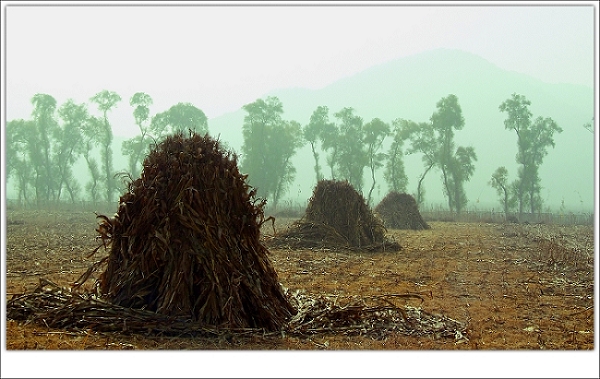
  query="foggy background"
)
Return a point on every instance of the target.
[{"x": 220, "y": 58}]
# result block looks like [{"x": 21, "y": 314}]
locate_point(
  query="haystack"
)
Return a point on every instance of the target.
[
  {"x": 185, "y": 241},
  {"x": 337, "y": 216},
  {"x": 400, "y": 211}
]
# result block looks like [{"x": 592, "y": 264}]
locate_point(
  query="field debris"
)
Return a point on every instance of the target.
[
  {"x": 337, "y": 217},
  {"x": 372, "y": 316},
  {"x": 501, "y": 279}
]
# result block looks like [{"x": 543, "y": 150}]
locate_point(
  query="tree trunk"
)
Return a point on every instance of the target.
[
  {"x": 317, "y": 167},
  {"x": 372, "y": 185},
  {"x": 419, "y": 192}
]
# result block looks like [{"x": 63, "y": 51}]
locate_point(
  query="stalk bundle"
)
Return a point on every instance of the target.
[
  {"x": 185, "y": 241},
  {"x": 337, "y": 216},
  {"x": 400, "y": 211},
  {"x": 372, "y": 316}
]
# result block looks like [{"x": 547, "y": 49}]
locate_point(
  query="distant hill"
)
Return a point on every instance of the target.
[{"x": 410, "y": 87}]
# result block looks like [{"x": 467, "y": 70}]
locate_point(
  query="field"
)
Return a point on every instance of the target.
[{"x": 515, "y": 286}]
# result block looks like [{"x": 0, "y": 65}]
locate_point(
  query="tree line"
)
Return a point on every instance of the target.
[{"x": 41, "y": 151}]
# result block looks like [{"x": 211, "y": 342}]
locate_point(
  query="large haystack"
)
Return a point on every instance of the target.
[
  {"x": 400, "y": 211},
  {"x": 185, "y": 241},
  {"x": 337, "y": 216}
]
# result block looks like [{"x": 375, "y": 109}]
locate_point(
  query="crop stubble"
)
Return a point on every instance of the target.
[{"x": 516, "y": 286}]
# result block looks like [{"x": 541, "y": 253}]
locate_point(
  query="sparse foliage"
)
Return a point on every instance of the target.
[
  {"x": 180, "y": 118},
  {"x": 499, "y": 181},
  {"x": 69, "y": 145},
  {"x": 330, "y": 142},
  {"x": 455, "y": 163},
  {"x": 422, "y": 137},
  {"x": 533, "y": 140},
  {"x": 269, "y": 143},
  {"x": 395, "y": 174},
  {"x": 375, "y": 133},
  {"x": 106, "y": 100},
  {"x": 319, "y": 122},
  {"x": 18, "y": 163},
  {"x": 461, "y": 168},
  {"x": 40, "y": 146},
  {"x": 352, "y": 157},
  {"x": 136, "y": 147}
]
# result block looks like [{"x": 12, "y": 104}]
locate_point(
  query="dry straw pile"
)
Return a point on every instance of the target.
[
  {"x": 185, "y": 241},
  {"x": 337, "y": 216},
  {"x": 400, "y": 211}
]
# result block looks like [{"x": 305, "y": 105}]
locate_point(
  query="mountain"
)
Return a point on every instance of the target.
[{"x": 410, "y": 87}]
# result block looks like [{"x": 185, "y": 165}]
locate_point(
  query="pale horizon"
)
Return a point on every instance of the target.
[{"x": 220, "y": 58}]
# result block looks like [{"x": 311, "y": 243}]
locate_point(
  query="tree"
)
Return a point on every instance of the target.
[
  {"x": 445, "y": 121},
  {"x": 181, "y": 117},
  {"x": 422, "y": 137},
  {"x": 533, "y": 140},
  {"x": 269, "y": 143},
  {"x": 91, "y": 138},
  {"x": 17, "y": 160},
  {"x": 330, "y": 142},
  {"x": 263, "y": 117},
  {"x": 395, "y": 174},
  {"x": 461, "y": 168},
  {"x": 319, "y": 121},
  {"x": 40, "y": 146},
  {"x": 106, "y": 100},
  {"x": 518, "y": 119},
  {"x": 352, "y": 157},
  {"x": 41, "y": 152},
  {"x": 69, "y": 144},
  {"x": 136, "y": 147},
  {"x": 375, "y": 133},
  {"x": 499, "y": 182},
  {"x": 285, "y": 142}
]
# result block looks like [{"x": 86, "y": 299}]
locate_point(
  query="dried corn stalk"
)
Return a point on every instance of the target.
[
  {"x": 372, "y": 316},
  {"x": 337, "y": 216},
  {"x": 400, "y": 211},
  {"x": 185, "y": 241}
]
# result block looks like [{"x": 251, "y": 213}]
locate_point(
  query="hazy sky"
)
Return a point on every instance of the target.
[{"x": 221, "y": 57}]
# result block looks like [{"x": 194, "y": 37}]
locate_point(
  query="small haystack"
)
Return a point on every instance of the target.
[
  {"x": 400, "y": 211},
  {"x": 337, "y": 216},
  {"x": 185, "y": 241}
]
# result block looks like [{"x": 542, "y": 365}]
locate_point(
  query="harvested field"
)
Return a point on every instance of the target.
[{"x": 516, "y": 287}]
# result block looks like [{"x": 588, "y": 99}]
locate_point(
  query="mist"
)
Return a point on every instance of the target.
[{"x": 409, "y": 89}]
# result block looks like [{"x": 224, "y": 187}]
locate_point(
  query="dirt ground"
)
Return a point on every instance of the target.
[{"x": 518, "y": 287}]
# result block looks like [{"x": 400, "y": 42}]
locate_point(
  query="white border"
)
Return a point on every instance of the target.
[{"x": 150, "y": 364}]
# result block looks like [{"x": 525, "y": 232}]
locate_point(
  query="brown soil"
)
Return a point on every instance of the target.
[{"x": 518, "y": 287}]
